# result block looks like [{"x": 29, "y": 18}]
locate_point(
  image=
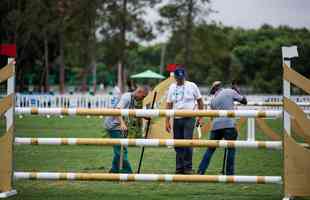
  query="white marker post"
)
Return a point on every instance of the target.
[
  {"x": 287, "y": 54},
  {"x": 251, "y": 129}
]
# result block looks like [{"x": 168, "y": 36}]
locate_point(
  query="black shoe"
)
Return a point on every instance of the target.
[
  {"x": 113, "y": 171},
  {"x": 200, "y": 172},
  {"x": 190, "y": 171},
  {"x": 179, "y": 172}
]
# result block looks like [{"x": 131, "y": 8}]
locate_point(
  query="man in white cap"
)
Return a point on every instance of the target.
[
  {"x": 222, "y": 127},
  {"x": 183, "y": 95}
]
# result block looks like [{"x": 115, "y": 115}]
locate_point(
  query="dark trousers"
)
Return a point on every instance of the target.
[
  {"x": 227, "y": 134},
  {"x": 126, "y": 168},
  {"x": 183, "y": 129}
]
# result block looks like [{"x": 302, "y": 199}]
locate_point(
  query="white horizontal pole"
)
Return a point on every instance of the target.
[
  {"x": 150, "y": 142},
  {"x": 261, "y": 103},
  {"x": 148, "y": 112},
  {"x": 146, "y": 177}
]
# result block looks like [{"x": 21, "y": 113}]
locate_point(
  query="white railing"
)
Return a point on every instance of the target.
[
  {"x": 104, "y": 101},
  {"x": 64, "y": 101}
]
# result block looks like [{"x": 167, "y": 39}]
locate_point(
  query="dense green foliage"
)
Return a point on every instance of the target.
[{"x": 251, "y": 57}]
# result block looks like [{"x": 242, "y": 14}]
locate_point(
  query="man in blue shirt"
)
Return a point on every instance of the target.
[{"x": 222, "y": 127}]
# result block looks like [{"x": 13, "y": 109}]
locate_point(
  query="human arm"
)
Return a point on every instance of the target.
[
  {"x": 123, "y": 103},
  {"x": 200, "y": 107},
  {"x": 123, "y": 125},
  {"x": 169, "y": 105},
  {"x": 200, "y": 104},
  {"x": 238, "y": 97}
]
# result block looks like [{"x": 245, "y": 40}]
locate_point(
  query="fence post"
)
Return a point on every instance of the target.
[
  {"x": 251, "y": 129},
  {"x": 6, "y": 141},
  {"x": 287, "y": 54}
]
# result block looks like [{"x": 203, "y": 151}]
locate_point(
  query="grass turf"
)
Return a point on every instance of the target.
[{"x": 156, "y": 160}]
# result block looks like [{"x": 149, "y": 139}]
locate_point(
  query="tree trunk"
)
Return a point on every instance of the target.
[
  {"x": 84, "y": 80},
  {"x": 188, "y": 34},
  {"x": 162, "y": 58},
  {"x": 94, "y": 70},
  {"x": 120, "y": 82},
  {"x": 123, "y": 49},
  {"x": 92, "y": 56},
  {"x": 61, "y": 64},
  {"x": 46, "y": 83},
  {"x": 85, "y": 65},
  {"x": 42, "y": 79}
]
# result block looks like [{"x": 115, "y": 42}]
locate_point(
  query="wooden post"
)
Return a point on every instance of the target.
[
  {"x": 287, "y": 54},
  {"x": 296, "y": 156},
  {"x": 286, "y": 93},
  {"x": 6, "y": 141}
]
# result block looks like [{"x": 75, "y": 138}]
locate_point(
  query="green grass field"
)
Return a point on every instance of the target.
[{"x": 157, "y": 160}]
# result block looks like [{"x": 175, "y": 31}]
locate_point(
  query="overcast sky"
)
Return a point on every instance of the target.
[{"x": 254, "y": 13}]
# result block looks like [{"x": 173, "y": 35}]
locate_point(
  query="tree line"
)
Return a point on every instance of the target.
[{"x": 83, "y": 43}]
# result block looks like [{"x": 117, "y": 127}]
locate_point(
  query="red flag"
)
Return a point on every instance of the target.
[
  {"x": 172, "y": 67},
  {"x": 8, "y": 50}
]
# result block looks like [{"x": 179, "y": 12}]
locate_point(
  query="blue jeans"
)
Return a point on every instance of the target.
[
  {"x": 183, "y": 129},
  {"x": 126, "y": 168},
  {"x": 227, "y": 134}
]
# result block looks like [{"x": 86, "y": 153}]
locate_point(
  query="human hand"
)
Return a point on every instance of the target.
[
  {"x": 199, "y": 121},
  {"x": 168, "y": 126},
  {"x": 123, "y": 127}
]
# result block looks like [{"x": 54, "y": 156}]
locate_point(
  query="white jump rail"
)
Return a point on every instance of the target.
[
  {"x": 150, "y": 142},
  {"x": 147, "y": 177},
  {"x": 149, "y": 112}
]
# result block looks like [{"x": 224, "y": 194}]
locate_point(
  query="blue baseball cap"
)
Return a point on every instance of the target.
[{"x": 179, "y": 73}]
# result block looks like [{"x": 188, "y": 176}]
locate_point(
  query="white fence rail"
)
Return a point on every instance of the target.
[
  {"x": 104, "y": 101},
  {"x": 64, "y": 101}
]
